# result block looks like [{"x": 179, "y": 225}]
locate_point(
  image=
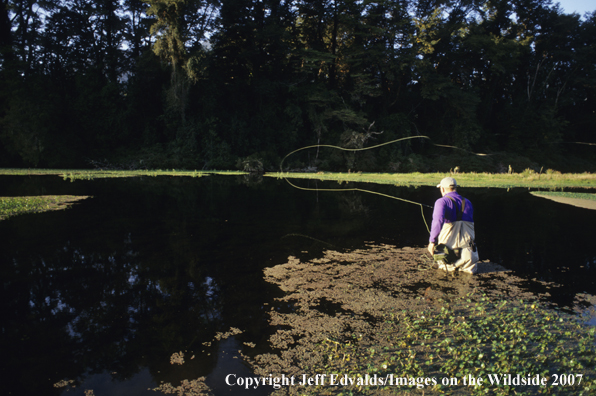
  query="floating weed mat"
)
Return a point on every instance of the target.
[
  {"x": 197, "y": 386},
  {"x": 12, "y": 206},
  {"x": 379, "y": 321}
]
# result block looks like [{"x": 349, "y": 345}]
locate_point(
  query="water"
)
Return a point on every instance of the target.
[{"x": 106, "y": 291}]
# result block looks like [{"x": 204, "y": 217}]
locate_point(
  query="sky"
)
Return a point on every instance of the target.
[{"x": 578, "y": 6}]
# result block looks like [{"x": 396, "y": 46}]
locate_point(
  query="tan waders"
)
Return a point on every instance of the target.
[{"x": 456, "y": 250}]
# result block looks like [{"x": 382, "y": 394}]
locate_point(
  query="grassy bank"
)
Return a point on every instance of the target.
[
  {"x": 582, "y": 200},
  {"x": 529, "y": 179},
  {"x": 90, "y": 174},
  {"x": 13, "y": 206},
  {"x": 562, "y": 194}
]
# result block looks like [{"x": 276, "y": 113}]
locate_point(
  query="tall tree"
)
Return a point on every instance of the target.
[
  {"x": 179, "y": 24},
  {"x": 5, "y": 32}
]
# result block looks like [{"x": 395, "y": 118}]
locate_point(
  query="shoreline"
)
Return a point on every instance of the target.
[{"x": 579, "y": 202}]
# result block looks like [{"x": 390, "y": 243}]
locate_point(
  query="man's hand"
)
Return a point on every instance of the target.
[{"x": 431, "y": 248}]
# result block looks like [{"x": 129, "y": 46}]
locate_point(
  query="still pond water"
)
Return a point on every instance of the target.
[{"x": 106, "y": 291}]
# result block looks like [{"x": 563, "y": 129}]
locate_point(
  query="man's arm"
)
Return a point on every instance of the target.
[
  {"x": 437, "y": 224},
  {"x": 438, "y": 220}
]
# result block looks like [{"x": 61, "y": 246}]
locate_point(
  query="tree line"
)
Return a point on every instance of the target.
[{"x": 224, "y": 84}]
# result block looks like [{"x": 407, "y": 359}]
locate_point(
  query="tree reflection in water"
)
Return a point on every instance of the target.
[{"x": 90, "y": 312}]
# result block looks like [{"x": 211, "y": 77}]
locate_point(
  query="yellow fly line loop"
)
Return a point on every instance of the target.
[
  {"x": 349, "y": 149},
  {"x": 356, "y": 189}
]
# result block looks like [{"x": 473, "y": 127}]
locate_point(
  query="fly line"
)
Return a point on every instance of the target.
[{"x": 355, "y": 188}]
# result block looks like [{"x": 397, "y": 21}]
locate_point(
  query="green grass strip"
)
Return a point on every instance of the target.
[
  {"x": 564, "y": 194},
  {"x": 498, "y": 180},
  {"x": 90, "y": 174},
  {"x": 530, "y": 179}
]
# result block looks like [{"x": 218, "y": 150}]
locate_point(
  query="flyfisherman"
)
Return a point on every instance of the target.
[{"x": 452, "y": 235}]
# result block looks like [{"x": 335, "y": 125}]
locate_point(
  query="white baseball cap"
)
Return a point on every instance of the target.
[{"x": 447, "y": 182}]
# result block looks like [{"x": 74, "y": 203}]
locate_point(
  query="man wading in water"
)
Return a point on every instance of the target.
[{"x": 452, "y": 232}]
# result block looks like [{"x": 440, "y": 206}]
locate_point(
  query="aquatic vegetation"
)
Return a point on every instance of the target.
[
  {"x": 12, "y": 206},
  {"x": 472, "y": 338},
  {"x": 378, "y": 322},
  {"x": 186, "y": 387}
]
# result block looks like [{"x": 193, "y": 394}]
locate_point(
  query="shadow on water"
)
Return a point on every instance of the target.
[{"x": 105, "y": 292}]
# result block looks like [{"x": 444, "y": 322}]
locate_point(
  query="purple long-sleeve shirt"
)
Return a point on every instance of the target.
[{"x": 446, "y": 212}]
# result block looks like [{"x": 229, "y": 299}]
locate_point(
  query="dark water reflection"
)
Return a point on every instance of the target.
[{"x": 106, "y": 291}]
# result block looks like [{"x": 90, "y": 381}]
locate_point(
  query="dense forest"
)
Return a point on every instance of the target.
[{"x": 226, "y": 84}]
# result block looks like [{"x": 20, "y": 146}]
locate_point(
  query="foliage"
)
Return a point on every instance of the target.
[
  {"x": 25, "y": 127},
  {"x": 252, "y": 164},
  {"x": 205, "y": 82}
]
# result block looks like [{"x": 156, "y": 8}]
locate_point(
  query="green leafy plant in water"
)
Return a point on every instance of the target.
[
  {"x": 476, "y": 338},
  {"x": 516, "y": 338}
]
